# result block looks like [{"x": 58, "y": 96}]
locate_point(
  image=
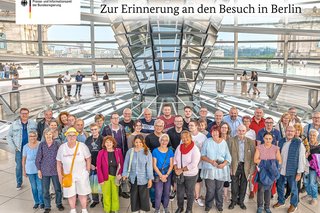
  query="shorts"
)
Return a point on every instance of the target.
[
  {"x": 80, "y": 186},
  {"x": 199, "y": 180}
]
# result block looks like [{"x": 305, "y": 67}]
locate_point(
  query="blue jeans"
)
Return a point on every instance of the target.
[
  {"x": 36, "y": 188},
  {"x": 18, "y": 159},
  {"x": 311, "y": 184},
  {"x": 291, "y": 181},
  {"x": 162, "y": 193},
  {"x": 46, "y": 190}
]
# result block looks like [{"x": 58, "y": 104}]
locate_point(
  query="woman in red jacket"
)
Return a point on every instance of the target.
[{"x": 109, "y": 169}]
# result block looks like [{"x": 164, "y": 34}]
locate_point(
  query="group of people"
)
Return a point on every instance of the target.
[
  {"x": 253, "y": 84},
  {"x": 8, "y": 70},
  {"x": 67, "y": 78},
  {"x": 171, "y": 156}
]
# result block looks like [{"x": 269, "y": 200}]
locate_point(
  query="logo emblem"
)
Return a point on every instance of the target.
[{"x": 24, "y": 2}]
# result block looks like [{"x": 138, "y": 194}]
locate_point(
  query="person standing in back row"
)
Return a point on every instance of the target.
[
  {"x": 105, "y": 83},
  {"x": 67, "y": 79},
  {"x": 79, "y": 78},
  {"x": 95, "y": 84}
]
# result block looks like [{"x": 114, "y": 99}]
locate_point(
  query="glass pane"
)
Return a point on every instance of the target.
[
  {"x": 187, "y": 76},
  {"x": 191, "y": 39},
  {"x": 122, "y": 40},
  {"x": 159, "y": 39},
  {"x": 145, "y": 75},
  {"x": 187, "y": 64},
  {"x": 207, "y": 52},
  {"x": 126, "y": 52},
  {"x": 167, "y": 64},
  {"x": 167, "y": 88},
  {"x": 169, "y": 52},
  {"x": 211, "y": 39},
  {"x": 139, "y": 39},
  {"x": 148, "y": 88},
  {"x": 136, "y": 26},
  {"x": 118, "y": 28},
  {"x": 167, "y": 75},
  {"x": 191, "y": 52},
  {"x": 143, "y": 64},
  {"x": 192, "y": 26},
  {"x": 141, "y": 52}
]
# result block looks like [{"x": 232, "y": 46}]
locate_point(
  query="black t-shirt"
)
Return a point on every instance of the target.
[
  {"x": 112, "y": 163},
  {"x": 185, "y": 124},
  {"x": 175, "y": 137},
  {"x": 94, "y": 146},
  {"x": 128, "y": 127},
  {"x": 152, "y": 141}
]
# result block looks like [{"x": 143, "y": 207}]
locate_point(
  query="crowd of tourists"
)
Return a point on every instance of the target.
[{"x": 172, "y": 157}]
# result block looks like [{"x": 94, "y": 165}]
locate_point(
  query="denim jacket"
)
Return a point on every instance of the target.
[
  {"x": 14, "y": 137},
  {"x": 141, "y": 167}
]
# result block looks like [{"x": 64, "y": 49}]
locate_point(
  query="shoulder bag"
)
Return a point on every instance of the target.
[
  {"x": 125, "y": 184},
  {"x": 156, "y": 177},
  {"x": 67, "y": 178}
]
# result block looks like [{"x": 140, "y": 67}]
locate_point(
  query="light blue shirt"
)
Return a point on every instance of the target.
[
  {"x": 141, "y": 167},
  {"x": 31, "y": 155},
  {"x": 233, "y": 124},
  {"x": 219, "y": 152},
  {"x": 241, "y": 150}
]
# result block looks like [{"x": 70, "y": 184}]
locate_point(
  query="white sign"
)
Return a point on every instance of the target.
[{"x": 47, "y": 11}]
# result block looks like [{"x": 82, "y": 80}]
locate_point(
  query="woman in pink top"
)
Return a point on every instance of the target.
[
  {"x": 186, "y": 160},
  {"x": 109, "y": 170},
  {"x": 266, "y": 151}
]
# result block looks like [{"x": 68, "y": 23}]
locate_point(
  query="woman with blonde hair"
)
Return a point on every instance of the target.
[{"x": 283, "y": 124}]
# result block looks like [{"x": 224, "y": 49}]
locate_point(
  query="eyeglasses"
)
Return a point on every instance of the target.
[
  {"x": 70, "y": 136},
  {"x": 158, "y": 125},
  {"x": 268, "y": 122},
  {"x": 316, "y": 117},
  {"x": 115, "y": 118},
  {"x": 32, "y": 136}
]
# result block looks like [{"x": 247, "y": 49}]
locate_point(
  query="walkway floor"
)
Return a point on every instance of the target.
[{"x": 12, "y": 201}]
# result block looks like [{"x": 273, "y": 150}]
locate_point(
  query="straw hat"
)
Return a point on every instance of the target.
[{"x": 71, "y": 129}]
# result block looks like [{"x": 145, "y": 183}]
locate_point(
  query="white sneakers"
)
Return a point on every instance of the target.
[
  {"x": 199, "y": 202},
  {"x": 75, "y": 211}
]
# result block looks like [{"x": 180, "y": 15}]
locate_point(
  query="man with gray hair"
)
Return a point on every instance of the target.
[
  {"x": 127, "y": 122},
  {"x": 44, "y": 123},
  {"x": 242, "y": 165},
  {"x": 314, "y": 125},
  {"x": 147, "y": 121},
  {"x": 233, "y": 120}
]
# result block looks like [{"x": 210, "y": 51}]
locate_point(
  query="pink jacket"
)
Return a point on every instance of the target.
[{"x": 102, "y": 164}]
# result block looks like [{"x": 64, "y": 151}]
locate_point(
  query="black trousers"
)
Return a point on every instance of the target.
[
  {"x": 139, "y": 197},
  {"x": 69, "y": 89},
  {"x": 78, "y": 89},
  {"x": 214, "y": 193},
  {"x": 186, "y": 187},
  {"x": 239, "y": 184}
]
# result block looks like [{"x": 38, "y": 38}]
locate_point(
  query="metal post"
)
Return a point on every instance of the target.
[
  {"x": 15, "y": 102},
  {"x": 40, "y": 51},
  {"x": 59, "y": 91},
  {"x": 1, "y": 112},
  {"x": 93, "y": 54},
  {"x": 112, "y": 86},
  {"x": 285, "y": 52},
  {"x": 236, "y": 47}
]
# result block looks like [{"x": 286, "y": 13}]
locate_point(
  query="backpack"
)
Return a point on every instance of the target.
[{"x": 315, "y": 163}]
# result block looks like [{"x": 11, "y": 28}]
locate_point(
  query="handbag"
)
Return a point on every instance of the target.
[
  {"x": 125, "y": 184},
  {"x": 179, "y": 179},
  {"x": 118, "y": 180},
  {"x": 156, "y": 177},
  {"x": 67, "y": 178},
  {"x": 94, "y": 184}
]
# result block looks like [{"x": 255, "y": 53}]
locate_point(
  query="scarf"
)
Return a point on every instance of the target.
[{"x": 185, "y": 149}]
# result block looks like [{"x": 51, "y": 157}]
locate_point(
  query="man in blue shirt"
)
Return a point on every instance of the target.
[
  {"x": 269, "y": 128},
  {"x": 79, "y": 78},
  {"x": 147, "y": 121},
  {"x": 233, "y": 120},
  {"x": 18, "y": 137}
]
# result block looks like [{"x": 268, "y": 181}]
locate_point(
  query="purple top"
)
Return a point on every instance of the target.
[{"x": 46, "y": 158}]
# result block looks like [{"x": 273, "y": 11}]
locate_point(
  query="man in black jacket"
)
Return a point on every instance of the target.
[{"x": 44, "y": 123}]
